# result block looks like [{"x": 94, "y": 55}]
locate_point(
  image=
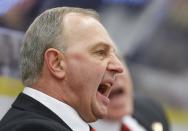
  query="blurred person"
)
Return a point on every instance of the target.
[
  {"x": 128, "y": 112},
  {"x": 94, "y": 4},
  {"x": 20, "y": 14},
  {"x": 69, "y": 65}
]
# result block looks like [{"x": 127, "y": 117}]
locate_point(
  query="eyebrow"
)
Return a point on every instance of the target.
[{"x": 103, "y": 45}]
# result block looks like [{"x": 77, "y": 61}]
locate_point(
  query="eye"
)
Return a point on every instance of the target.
[{"x": 102, "y": 53}]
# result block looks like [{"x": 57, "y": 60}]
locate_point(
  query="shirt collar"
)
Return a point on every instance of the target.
[{"x": 64, "y": 111}]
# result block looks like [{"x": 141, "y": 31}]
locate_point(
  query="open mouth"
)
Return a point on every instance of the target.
[
  {"x": 115, "y": 93},
  {"x": 104, "y": 89}
]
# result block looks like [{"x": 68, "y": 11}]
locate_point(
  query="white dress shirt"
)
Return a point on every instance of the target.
[
  {"x": 107, "y": 125},
  {"x": 64, "y": 111}
]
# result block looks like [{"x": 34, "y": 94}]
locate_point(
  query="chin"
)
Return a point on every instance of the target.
[
  {"x": 96, "y": 117},
  {"x": 100, "y": 114}
]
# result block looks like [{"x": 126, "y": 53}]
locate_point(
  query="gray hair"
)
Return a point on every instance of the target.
[{"x": 42, "y": 34}]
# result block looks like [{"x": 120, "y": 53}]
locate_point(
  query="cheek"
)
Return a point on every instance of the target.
[
  {"x": 85, "y": 68},
  {"x": 83, "y": 72},
  {"x": 92, "y": 71}
]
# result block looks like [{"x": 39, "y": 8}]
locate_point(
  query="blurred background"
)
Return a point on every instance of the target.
[{"x": 152, "y": 35}]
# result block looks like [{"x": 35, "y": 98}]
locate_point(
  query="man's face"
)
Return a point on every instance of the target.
[
  {"x": 91, "y": 65},
  {"x": 121, "y": 100}
]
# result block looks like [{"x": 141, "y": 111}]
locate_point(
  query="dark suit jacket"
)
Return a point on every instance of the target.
[
  {"x": 27, "y": 114},
  {"x": 148, "y": 112}
]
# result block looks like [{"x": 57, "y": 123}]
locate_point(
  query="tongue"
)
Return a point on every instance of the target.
[{"x": 103, "y": 98}]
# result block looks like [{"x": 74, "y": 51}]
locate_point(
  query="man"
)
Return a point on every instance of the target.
[
  {"x": 68, "y": 64},
  {"x": 126, "y": 114}
]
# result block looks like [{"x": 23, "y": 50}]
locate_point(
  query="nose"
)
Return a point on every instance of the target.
[{"x": 115, "y": 65}]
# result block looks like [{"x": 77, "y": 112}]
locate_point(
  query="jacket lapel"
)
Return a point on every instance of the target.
[{"x": 27, "y": 103}]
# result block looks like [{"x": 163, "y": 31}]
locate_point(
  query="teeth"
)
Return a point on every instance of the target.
[
  {"x": 108, "y": 90},
  {"x": 107, "y": 84}
]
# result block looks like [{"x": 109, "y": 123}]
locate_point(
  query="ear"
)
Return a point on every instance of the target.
[{"x": 54, "y": 60}]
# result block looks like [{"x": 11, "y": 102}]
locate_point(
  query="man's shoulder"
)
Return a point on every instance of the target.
[
  {"x": 17, "y": 120},
  {"x": 32, "y": 125},
  {"x": 27, "y": 113}
]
